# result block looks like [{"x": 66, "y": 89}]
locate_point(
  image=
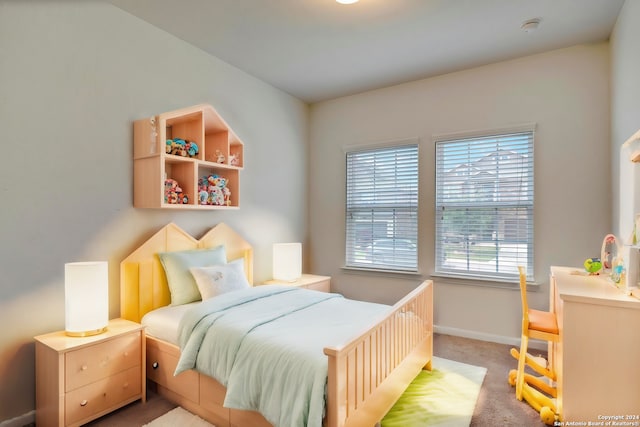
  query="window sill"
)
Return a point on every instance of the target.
[
  {"x": 383, "y": 272},
  {"x": 488, "y": 282}
]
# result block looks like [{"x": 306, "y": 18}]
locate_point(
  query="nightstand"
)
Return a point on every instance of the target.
[
  {"x": 308, "y": 281},
  {"x": 79, "y": 379}
]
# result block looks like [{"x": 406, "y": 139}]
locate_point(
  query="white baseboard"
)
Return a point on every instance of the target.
[
  {"x": 20, "y": 421},
  {"x": 482, "y": 336}
]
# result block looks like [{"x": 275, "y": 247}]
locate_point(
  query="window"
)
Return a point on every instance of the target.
[
  {"x": 382, "y": 208},
  {"x": 484, "y": 206}
]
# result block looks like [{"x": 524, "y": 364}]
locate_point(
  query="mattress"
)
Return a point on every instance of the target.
[{"x": 163, "y": 322}]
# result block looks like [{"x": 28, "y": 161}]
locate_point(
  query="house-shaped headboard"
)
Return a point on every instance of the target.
[{"x": 143, "y": 284}]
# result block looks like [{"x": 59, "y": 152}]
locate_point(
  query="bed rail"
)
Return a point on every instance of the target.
[{"x": 367, "y": 375}]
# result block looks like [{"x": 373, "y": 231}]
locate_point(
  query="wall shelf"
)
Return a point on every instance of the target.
[{"x": 153, "y": 165}]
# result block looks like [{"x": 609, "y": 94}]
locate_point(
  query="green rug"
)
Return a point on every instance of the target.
[{"x": 444, "y": 396}]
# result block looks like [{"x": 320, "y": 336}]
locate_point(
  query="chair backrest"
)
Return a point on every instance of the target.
[{"x": 523, "y": 297}]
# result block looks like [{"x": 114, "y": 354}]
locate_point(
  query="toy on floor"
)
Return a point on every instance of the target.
[
  {"x": 539, "y": 392},
  {"x": 541, "y": 325}
]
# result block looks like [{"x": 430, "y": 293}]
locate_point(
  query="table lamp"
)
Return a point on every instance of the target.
[
  {"x": 287, "y": 261},
  {"x": 86, "y": 298}
]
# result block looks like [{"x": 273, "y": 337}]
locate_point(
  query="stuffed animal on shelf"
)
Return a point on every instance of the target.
[
  {"x": 173, "y": 193},
  {"x": 181, "y": 147},
  {"x": 234, "y": 159},
  {"x": 192, "y": 149},
  {"x": 220, "y": 158},
  {"x": 212, "y": 190}
]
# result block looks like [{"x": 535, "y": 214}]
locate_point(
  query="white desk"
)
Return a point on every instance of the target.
[{"x": 598, "y": 356}]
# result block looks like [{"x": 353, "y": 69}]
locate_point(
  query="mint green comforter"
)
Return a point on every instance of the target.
[{"x": 265, "y": 345}]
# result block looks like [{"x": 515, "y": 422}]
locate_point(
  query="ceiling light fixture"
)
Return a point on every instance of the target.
[
  {"x": 530, "y": 25},
  {"x": 347, "y": 1}
]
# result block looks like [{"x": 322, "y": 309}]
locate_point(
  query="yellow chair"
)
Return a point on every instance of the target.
[{"x": 542, "y": 325}]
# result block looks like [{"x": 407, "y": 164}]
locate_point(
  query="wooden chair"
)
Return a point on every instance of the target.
[{"x": 542, "y": 325}]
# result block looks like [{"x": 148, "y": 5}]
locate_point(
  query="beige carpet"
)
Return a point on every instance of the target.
[{"x": 178, "y": 417}]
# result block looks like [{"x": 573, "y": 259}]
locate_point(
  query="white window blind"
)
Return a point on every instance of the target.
[
  {"x": 382, "y": 208},
  {"x": 484, "y": 206}
]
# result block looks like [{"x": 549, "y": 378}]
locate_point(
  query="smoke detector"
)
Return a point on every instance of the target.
[{"x": 530, "y": 25}]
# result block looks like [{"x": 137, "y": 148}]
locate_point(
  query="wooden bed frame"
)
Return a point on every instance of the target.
[{"x": 365, "y": 378}]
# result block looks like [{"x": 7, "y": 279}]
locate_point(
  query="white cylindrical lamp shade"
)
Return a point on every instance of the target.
[
  {"x": 86, "y": 298},
  {"x": 287, "y": 261}
]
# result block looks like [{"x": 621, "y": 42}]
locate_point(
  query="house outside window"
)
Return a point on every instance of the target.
[
  {"x": 382, "y": 208},
  {"x": 484, "y": 205}
]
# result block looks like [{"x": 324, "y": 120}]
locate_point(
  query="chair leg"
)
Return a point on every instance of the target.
[{"x": 524, "y": 342}]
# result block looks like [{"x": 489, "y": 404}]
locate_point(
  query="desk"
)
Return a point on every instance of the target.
[{"x": 598, "y": 357}]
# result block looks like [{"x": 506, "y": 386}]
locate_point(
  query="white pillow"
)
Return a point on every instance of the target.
[{"x": 220, "y": 279}]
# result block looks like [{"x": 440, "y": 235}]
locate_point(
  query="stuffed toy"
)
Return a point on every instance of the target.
[
  {"x": 192, "y": 149},
  {"x": 212, "y": 190},
  {"x": 234, "y": 159},
  {"x": 180, "y": 147},
  {"x": 220, "y": 158},
  {"x": 173, "y": 193}
]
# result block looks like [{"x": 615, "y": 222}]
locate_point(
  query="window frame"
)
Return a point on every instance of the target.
[
  {"x": 440, "y": 229},
  {"x": 350, "y": 262}
]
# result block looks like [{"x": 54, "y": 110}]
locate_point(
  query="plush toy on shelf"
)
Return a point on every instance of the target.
[
  {"x": 220, "y": 158},
  {"x": 181, "y": 147},
  {"x": 173, "y": 193},
  {"x": 213, "y": 190},
  {"x": 234, "y": 159}
]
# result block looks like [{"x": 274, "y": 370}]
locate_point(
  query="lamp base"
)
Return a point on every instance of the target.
[{"x": 85, "y": 333}]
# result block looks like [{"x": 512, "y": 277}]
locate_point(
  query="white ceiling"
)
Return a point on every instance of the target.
[{"x": 319, "y": 49}]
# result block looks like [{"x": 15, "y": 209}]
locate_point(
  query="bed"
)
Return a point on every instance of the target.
[{"x": 366, "y": 373}]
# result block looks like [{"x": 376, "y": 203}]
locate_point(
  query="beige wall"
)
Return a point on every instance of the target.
[
  {"x": 566, "y": 92},
  {"x": 73, "y": 77},
  {"x": 625, "y": 115}
]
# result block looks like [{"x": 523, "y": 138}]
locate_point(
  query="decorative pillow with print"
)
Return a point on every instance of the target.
[{"x": 220, "y": 279}]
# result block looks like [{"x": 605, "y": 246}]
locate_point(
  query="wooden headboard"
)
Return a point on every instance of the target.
[{"x": 143, "y": 284}]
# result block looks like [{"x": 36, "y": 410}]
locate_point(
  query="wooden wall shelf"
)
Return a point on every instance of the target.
[{"x": 153, "y": 165}]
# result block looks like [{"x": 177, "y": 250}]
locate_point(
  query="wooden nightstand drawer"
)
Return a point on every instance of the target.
[
  {"x": 79, "y": 379},
  {"x": 101, "y": 360},
  {"x": 99, "y": 396}
]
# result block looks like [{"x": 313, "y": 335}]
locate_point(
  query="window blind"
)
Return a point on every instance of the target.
[
  {"x": 484, "y": 206},
  {"x": 382, "y": 208}
]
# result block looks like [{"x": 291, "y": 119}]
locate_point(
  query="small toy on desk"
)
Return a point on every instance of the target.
[
  {"x": 593, "y": 266},
  {"x": 618, "y": 273}
]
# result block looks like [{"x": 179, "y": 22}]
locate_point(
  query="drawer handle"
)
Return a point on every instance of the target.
[
  {"x": 84, "y": 402},
  {"x": 84, "y": 367},
  {"x": 155, "y": 365},
  {"x": 125, "y": 385}
]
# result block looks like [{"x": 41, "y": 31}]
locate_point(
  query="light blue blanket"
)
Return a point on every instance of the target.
[{"x": 265, "y": 345}]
